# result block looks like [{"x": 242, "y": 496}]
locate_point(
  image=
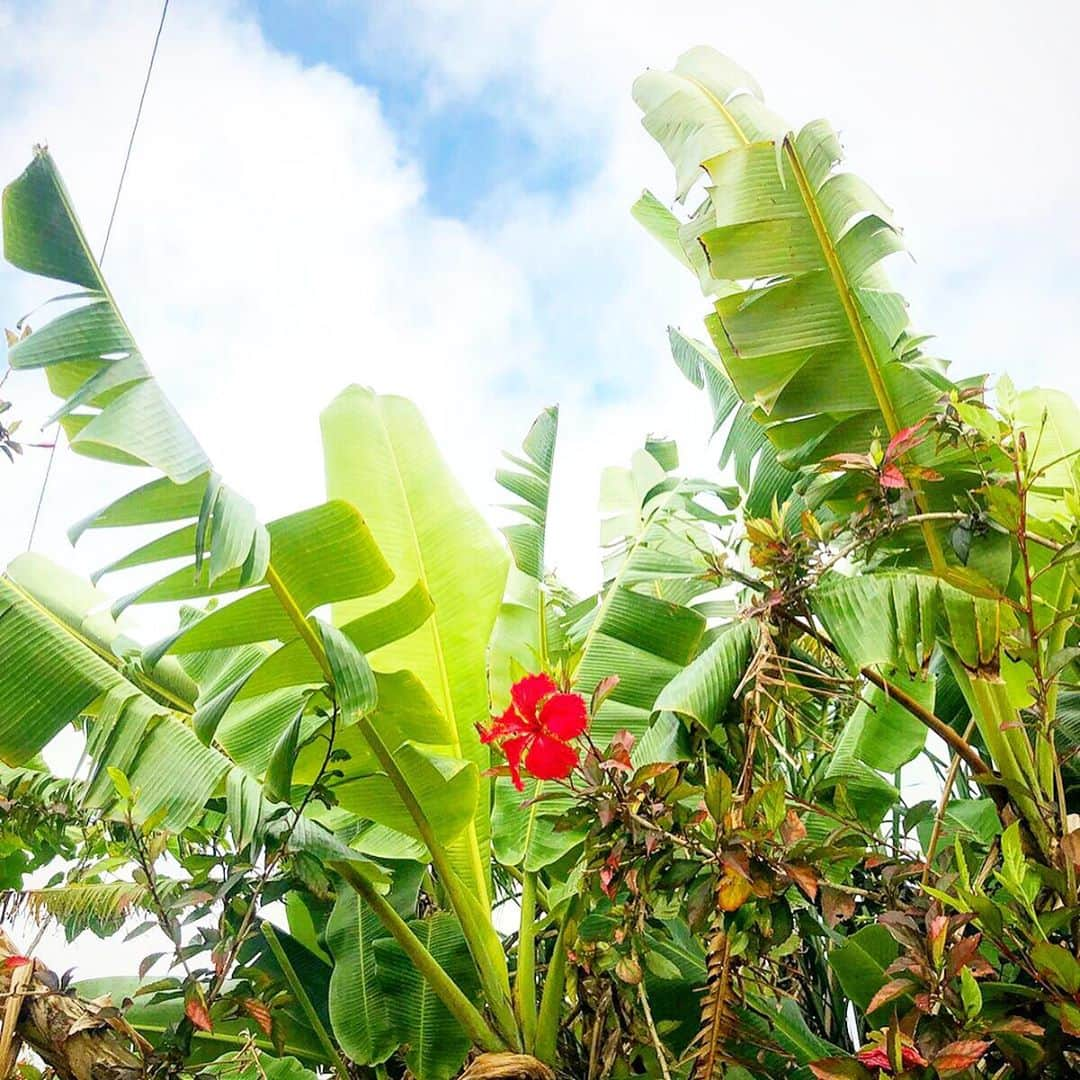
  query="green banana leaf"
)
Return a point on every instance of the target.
[{"x": 380, "y": 455}]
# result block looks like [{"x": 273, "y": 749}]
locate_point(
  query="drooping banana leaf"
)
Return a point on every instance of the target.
[
  {"x": 99, "y": 906},
  {"x": 436, "y": 1044},
  {"x": 359, "y": 1011},
  {"x": 702, "y": 691},
  {"x": 71, "y": 650},
  {"x": 812, "y": 335},
  {"x": 112, "y": 407},
  {"x": 56, "y": 631},
  {"x": 240, "y": 689},
  {"x": 898, "y": 618}
]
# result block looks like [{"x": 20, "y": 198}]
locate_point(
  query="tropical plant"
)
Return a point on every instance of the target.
[{"x": 660, "y": 830}]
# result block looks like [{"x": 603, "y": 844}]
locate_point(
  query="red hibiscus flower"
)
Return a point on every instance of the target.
[
  {"x": 877, "y": 1058},
  {"x": 537, "y": 729}
]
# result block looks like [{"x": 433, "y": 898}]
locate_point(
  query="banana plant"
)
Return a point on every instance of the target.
[
  {"x": 815, "y": 345},
  {"x": 268, "y": 678}
]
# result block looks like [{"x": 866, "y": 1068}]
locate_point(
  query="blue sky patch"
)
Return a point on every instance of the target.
[{"x": 467, "y": 152}]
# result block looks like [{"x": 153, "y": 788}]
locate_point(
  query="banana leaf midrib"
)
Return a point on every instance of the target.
[
  {"x": 722, "y": 107},
  {"x": 159, "y": 693},
  {"x": 840, "y": 283},
  {"x": 473, "y": 840}
]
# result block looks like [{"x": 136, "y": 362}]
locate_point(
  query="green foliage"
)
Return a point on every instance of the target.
[{"x": 726, "y": 879}]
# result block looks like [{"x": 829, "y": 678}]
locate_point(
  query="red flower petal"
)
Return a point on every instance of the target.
[
  {"x": 513, "y": 749},
  {"x": 550, "y": 759},
  {"x": 504, "y": 726},
  {"x": 527, "y": 694},
  {"x": 564, "y": 716}
]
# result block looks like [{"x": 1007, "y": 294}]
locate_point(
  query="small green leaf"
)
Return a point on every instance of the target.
[
  {"x": 661, "y": 966},
  {"x": 970, "y": 994},
  {"x": 120, "y": 782},
  {"x": 718, "y": 795},
  {"x": 1058, "y": 965},
  {"x": 278, "y": 782}
]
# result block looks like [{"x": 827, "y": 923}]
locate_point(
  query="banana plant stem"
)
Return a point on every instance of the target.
[
  {"x": 496, "y": 982},
  {"x": 547, "y": 1025},
  {"x": 306, "y": 1004},
  {"x": 525, "y": 978},
  {"x": 460, "y": 1007}
]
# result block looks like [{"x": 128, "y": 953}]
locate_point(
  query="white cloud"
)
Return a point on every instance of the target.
[
  {"x": 960, "y": 114},
  {"x": 272, "y": 244}
]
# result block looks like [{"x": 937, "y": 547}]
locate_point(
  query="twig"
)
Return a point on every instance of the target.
[
  {"x": 946, "y": 795},
  {"x": 661, "y": 1053}
]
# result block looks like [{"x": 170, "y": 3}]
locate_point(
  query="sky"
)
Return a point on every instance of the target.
[{"x": 432, "y": 198}]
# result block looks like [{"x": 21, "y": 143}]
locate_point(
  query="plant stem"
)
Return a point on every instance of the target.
[
  {"x": 460, "y": 1007},
  {"x": 547, "y": 1026},
  {"x": 959, "y": 745},
  {"x": 658, "y": 1046},
  {"x": 483, "y": 942},
  {"x": 525, "y": 978},
  {"x": 542, "y": 897},
  {"x": 946, "y": 795},
  {"x": 897, "y": 825},
  {"x": 480, "y": 936},
  {"x": 835, "y": 268},
  {"x": 302, "y": 997},
  {"x": 299, "y": 620}
]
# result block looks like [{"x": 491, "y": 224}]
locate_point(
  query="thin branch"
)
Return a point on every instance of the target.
[
  {"x": 946, "y": 795},
  {"x": 658, "y": 1046}
]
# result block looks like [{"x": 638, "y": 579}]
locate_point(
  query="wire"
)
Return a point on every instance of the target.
[
  {"x": 105, "y": 245},
  {"x": 134, "y": 130}
]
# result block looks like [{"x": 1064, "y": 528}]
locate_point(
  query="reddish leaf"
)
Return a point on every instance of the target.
[
  {"x": 805, "y": 877},
  {"x": 892, "y": 477},
  {"x": 958, "y": 1056},
  {"x": 961, "y": 954},
  {"x": 792, "y": 829},
  {"x": 836, "y": 906},
  {"x": 259, "y": 1013},
  {"x": 877, "y": 1057},
  {"x": 1070, "y": 846},
  {"x": 1018, "y": 1025},
  {"x": 904, "y": 440},
  {"x": 848, "y": 461},
  {"x": 922, "y": 473},
  {"x": 195, "y": 1008},
  {"x": 603, "y": 690},
  {"x": 889, "y": 992}
]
